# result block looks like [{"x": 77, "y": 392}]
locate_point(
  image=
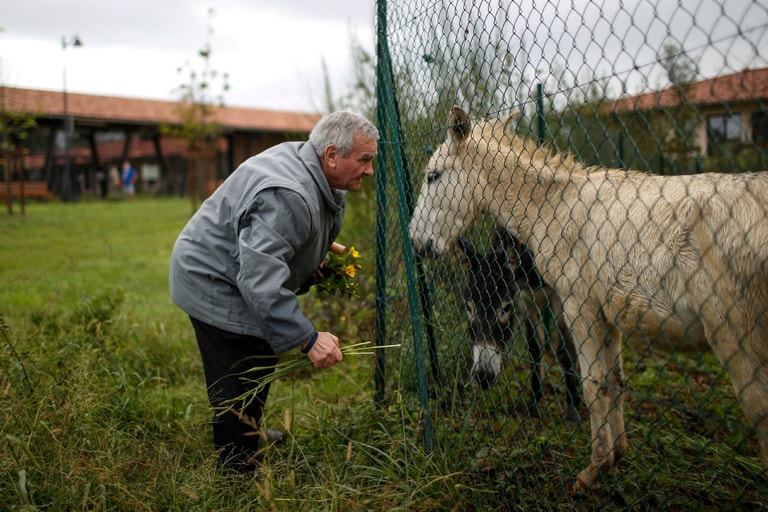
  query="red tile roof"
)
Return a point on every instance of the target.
[
  {"x": 95, "y": 108},
  {"x": 748, "y": 85}
]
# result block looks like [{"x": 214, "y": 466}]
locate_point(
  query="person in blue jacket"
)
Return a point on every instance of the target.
[
  {"x": 129, "y": 178},
  {"x": 238, "y": 262}
]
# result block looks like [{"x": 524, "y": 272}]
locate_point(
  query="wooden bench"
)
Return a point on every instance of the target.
[{"x": 32, "y": 189}]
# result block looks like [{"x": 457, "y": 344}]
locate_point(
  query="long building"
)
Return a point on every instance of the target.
[{"x": 104, "y": 131}]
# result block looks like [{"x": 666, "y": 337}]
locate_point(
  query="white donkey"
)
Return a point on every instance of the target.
[{"x": 677, "y": 259}]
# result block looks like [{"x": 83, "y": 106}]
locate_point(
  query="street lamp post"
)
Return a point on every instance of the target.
[{"x": 75, "y": 42}]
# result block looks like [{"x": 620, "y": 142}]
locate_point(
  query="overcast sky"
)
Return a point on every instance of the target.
[
  {"x": 271, "y": 49},
  {"x": 572, "y": 46}
]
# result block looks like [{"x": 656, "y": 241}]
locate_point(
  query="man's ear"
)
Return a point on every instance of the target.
[{"x": 331, "y": 155}]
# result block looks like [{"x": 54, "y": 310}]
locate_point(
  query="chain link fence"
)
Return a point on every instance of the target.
[{"x": 665, "y": 88}]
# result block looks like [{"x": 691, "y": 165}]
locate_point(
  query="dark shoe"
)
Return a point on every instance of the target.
[
  {"x": 242, "y": 468},
  {"x": 241, "y": 463},
  {"x": 276, "y": 436}
]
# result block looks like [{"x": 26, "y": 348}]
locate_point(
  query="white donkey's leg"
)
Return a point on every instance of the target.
[
  {"x": 615, "y": 392},
  {"x": 752, "y": 387},
  {"x": 589, "y": 335},
  {"x": 743, "y": 352}
]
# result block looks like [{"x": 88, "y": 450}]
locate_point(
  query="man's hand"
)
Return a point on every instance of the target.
[{"x": 325, "y": 352}]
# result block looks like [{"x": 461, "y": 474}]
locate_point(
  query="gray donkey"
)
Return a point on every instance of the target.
[{"x": 503, "y": 286}]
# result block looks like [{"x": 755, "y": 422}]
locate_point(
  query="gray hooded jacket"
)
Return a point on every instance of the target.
[{"x": 260, "y": 236}]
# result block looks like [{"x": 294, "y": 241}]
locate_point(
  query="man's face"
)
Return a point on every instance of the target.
[{"x": 346, "y": 173}]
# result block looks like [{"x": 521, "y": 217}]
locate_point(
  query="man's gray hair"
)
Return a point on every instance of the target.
[{"x": 339, "y": 129}]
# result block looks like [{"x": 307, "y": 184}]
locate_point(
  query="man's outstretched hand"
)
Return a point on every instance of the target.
[{"x": 325, "y": 352}]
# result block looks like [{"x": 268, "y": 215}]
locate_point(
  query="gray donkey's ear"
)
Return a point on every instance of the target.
[
  {"x": 506, "y": 246},
  {"x": 465, "y": 251}
]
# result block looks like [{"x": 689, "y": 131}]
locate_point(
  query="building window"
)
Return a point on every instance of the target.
[
  {"x": 723, "y": 130},
  {"x": 724, "y": 126},
  {"x": 760, "y": 128}
]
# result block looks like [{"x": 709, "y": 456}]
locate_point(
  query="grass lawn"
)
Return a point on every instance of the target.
[{"x": 102, "y": 391}]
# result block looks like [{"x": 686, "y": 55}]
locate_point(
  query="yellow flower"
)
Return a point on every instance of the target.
[{"x": 343, "y": 267}]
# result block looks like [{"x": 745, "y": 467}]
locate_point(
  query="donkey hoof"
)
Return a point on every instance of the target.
[
  {"x": 580, "y": 487},
  {"x": 585, "y": 481},
  {"x": 532, "y": 409},
  {"x": 572, "y": 416}
]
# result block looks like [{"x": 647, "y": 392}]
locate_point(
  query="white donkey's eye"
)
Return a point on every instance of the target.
[{"x": 433, "y": 176}]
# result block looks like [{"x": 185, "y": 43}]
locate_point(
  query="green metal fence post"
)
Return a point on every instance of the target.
[
  {"x": 540, "y": 132},
  {"x": 387, "y": 115},
  {"x": 380, "y": 273}
]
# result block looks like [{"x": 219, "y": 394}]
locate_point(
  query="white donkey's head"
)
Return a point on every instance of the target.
[{"x": 446, "y": 204}]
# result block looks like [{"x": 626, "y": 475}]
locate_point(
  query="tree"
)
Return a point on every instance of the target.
[
  {"x": 360, "y": 96},
  {"x": 197, "y": 124},
  {"x": 14, "y": 130},
  {"x": 362, "y": 92},
  {"x": 683, "y": 118},
  {"x": 680, "y": 68}
]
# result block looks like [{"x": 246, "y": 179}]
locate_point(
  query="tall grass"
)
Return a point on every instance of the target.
[{"x": 102, "y": 397}]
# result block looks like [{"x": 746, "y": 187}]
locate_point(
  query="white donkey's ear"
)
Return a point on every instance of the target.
[
  {"x": 510, "y": 122},
  {"x": 458, "y": 124}
]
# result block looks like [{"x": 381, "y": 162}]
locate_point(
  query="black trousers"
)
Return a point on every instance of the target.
[{"x": 226, "y": 356}]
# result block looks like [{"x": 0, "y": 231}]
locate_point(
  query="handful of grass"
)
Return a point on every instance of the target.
[{"x": 289, "y": 366}]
